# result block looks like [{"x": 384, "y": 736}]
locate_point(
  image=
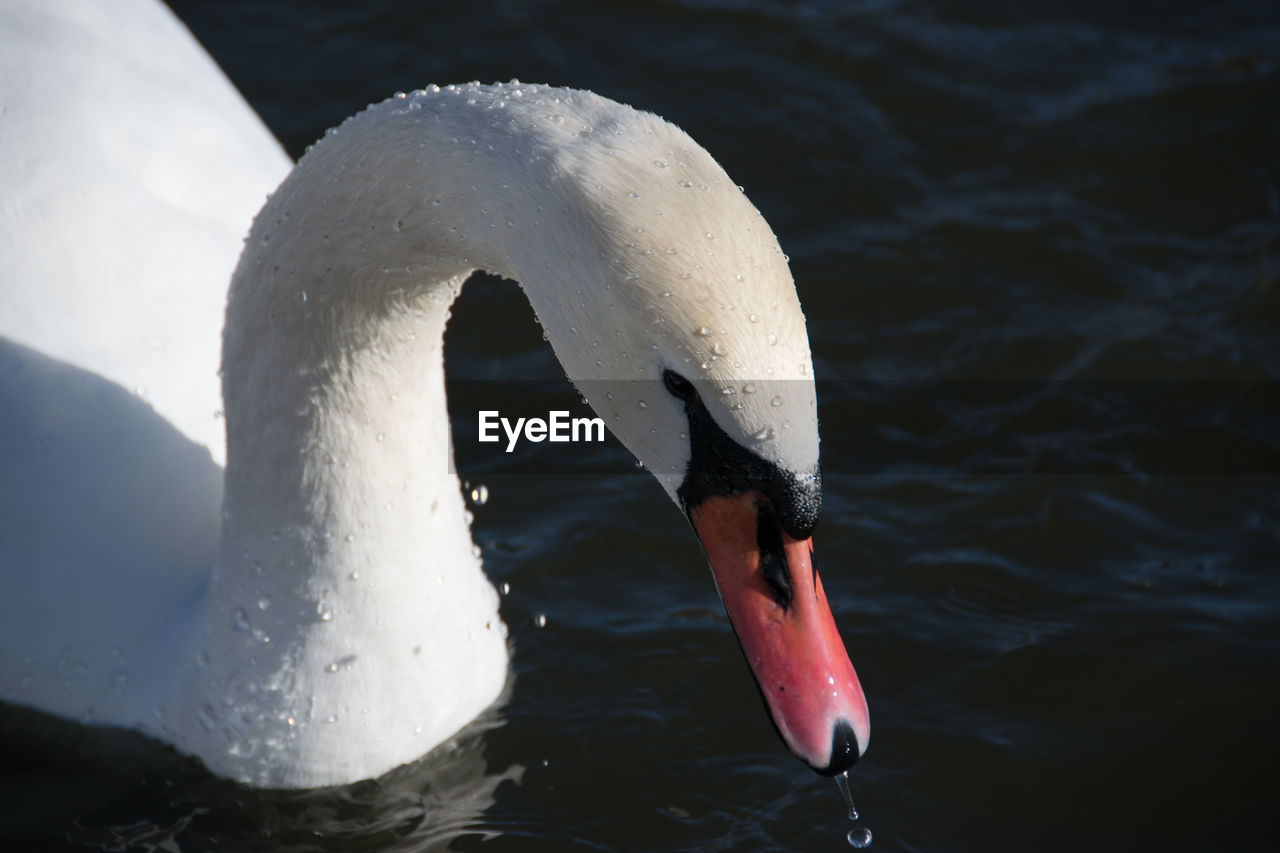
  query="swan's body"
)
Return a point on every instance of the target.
[
  {"x": 335, "y": 623},
  {"x": 119, "y": 132}
]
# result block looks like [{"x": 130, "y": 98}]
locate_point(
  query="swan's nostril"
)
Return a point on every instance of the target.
[{"x": 844, "y": 749}]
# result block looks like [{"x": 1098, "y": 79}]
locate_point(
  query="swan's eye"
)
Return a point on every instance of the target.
[{"x": 678, "y": 385}]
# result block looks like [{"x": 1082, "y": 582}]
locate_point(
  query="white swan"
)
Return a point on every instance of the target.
[{"x": 333, "y": 622}]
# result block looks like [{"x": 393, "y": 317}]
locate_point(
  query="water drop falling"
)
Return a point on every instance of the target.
[
  {"x": 842, "y": 783},
  {"x": 859, "y": 838}
]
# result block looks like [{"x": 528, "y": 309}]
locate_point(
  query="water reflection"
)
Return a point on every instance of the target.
[{"x": 173, "y": 804}]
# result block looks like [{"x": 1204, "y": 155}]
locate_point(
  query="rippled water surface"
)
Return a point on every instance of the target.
[{"x": 1037, "y": 246}]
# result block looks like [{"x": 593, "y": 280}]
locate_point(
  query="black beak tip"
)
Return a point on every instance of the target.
[{"x": 844, "y": 750}]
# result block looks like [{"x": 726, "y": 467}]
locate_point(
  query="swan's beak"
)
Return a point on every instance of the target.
[{"x": 780, "y": 614}]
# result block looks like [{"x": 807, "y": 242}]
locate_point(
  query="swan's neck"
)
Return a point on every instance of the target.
[
  {"x": 337, "y": 435},
  {"x": 344, "y": 541}
]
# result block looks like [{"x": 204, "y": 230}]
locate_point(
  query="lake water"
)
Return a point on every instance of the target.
[{"x": 1037, "y": 247}]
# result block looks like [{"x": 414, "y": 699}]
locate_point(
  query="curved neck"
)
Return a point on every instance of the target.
[
  {"x": 344, "y": 532},
  {"x": 333, "y": 356}
]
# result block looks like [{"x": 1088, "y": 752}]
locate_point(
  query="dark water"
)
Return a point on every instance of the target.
[{"x": 1037, "y": 247}]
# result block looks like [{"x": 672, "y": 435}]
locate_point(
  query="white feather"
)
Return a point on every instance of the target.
[{"x": 335, "y": 622}]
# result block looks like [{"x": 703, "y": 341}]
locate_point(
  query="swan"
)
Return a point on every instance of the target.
[{"x": 307, "y": 608}]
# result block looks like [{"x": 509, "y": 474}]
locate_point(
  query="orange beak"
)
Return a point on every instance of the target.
[{"x": 778, "y": 610}]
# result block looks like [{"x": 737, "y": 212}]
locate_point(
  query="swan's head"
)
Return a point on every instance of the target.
[{"x": 672, "y": 308}]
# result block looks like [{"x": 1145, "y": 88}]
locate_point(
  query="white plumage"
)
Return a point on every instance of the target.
[{"x": 332, "y": 621}]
